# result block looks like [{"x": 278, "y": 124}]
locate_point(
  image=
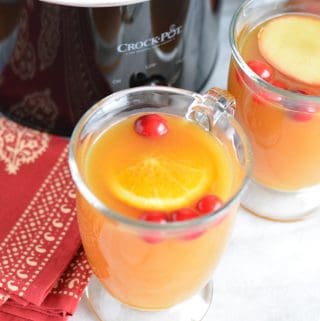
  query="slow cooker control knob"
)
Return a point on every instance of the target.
[
  {"x": 141, "y": 79},
  {"x": 157, "y": 80}
]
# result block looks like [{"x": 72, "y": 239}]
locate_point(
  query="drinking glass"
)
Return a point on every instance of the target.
[
  {"x": 282, "y": 124},
  {"x": 169, "y": 280}
]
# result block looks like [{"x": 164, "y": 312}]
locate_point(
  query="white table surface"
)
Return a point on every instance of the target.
[{"x": 270, "y": 271}]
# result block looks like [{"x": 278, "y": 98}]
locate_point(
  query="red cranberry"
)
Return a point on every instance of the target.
[
  {"x": 268, "y": 95},
  {"x": 153, "y": 236},
  {"x": 302, "y": 115},
  {"x": 303, "y": 112},
  {"x": 279, "y": 84},
  {"x": 185, "y": 214},
  {"x": 302, "y": 92},
  {"x": 154, "y": 217},
  {"x": 151, "y": 125},
  {"x": 262, "y": 69},
  {"x": 209, "y": 204}
]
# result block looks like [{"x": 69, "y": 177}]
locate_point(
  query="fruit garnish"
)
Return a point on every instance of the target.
[
  {"x": 268, "y": 95},
  {"x": 159, "y": 183},
  {"x": 279, "y": 84},
  {"x": 303, "y": 114},
  {"x": 291, "y": 44},
  {"x": 185, "y": 214},
  {"x": 302, "y": 111},
  {"x": 154, "y": 217},
  {"x": 151, "y": 125},
  {"x": 302, "y": 92},
  {"x": 262, "y": 69},
  {"x": 153, "y": 236},
  {"x": 209, "y": 204}
]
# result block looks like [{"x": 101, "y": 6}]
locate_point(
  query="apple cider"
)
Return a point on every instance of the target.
[
  {"x": 278, "y": 98},
  {"x": 150, "y": 179},
  {"x": 159, "y": 173}
]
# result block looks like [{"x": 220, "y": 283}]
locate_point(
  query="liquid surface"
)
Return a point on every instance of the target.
[{"x": 131, "y": 173}]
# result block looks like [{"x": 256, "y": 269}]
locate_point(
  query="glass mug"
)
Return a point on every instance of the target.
[
  {"x": 277, "y": 106},
  {"x": 139, "y": 279}
]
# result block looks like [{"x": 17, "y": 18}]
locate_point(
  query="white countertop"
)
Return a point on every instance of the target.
[{"x": 270, "y": 271}]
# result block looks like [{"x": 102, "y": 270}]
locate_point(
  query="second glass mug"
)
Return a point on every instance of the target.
[
  {"x": 170, "y": 280},
  {"x": 283, "y": 126}
]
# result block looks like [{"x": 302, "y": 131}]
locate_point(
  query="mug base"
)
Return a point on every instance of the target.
[
  {"x": 106, "y": 308},
  {"x": 281, "y": 205}
]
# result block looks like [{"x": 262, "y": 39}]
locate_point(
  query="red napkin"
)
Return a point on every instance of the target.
[{"x": 43, "y": 270}]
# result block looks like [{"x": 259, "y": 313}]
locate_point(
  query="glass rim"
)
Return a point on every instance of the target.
[
  {"x": 253, "y": 76},
  {"x": 94, "y": 201}
]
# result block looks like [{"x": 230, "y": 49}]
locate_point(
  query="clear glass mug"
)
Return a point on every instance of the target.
[
  {"x": 170, "y": 280},
  {"x": 283, "y": 125}
]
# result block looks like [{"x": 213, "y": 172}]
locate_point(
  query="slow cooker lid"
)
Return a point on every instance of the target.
[{"x": 94, "y": 3}]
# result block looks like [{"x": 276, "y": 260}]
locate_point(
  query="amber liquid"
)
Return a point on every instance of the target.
[
  {"x": 286, "y": 151},
  {"x": 138, "y": 273}
]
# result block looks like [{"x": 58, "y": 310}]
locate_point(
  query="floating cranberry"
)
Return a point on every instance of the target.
[
  {"x": 185, "y": 214},
  {"x": 304, "y": 114},
  {"x": 154, "y": 216},
  {"x": 209, "y": 204},
  {"x": 303, "y": 111},
  {"x": 279, "y": 84},
  {"x": 302, "y": 92},
  {"x": 262, "y": 69},
  {"x": 151, "y": 125},
  {"x": 271, "y": 96},
  {"x": 153, "y": 236}
]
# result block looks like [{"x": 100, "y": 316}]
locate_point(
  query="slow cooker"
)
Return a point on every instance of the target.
[{"x": 59, "y": 57}]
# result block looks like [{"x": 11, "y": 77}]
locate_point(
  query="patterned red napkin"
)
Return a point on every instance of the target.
[{"x": 43, "y": 270}]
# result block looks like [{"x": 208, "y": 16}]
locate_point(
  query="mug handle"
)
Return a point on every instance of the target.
[{"x": 207, "y": 109}]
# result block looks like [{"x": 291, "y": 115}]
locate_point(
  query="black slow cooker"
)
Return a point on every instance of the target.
[{"x": 57, "y": 58}]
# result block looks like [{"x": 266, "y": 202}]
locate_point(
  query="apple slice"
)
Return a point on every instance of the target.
[{"x": 291, "y": 44}]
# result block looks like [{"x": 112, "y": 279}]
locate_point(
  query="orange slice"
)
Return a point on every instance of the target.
[
  {"x": 155, "y": 182},
  {"x": 291, "y": 44}
]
